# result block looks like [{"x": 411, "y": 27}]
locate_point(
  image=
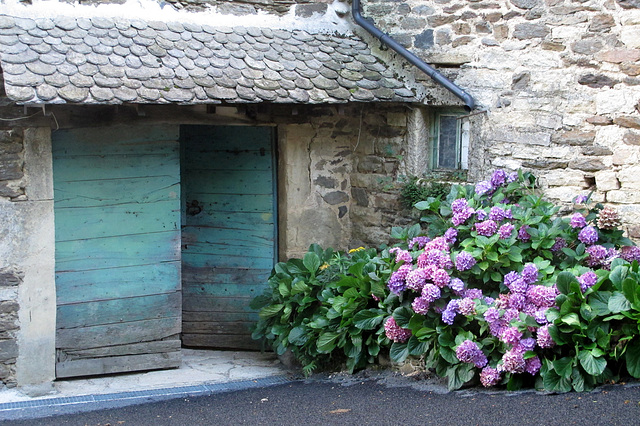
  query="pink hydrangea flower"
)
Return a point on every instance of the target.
[{"x": 394, "y": 332}]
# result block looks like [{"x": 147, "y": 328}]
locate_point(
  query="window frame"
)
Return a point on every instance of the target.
[{"x": 461, "y": 139}]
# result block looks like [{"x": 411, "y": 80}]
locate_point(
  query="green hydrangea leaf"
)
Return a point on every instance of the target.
[
  {"x": 632, "y": 358},
  {"x": 398, "y": 352},
  {"x": 618, "y": 303},
  {"x": 591, "y": 364},
  {"x": 368, "y": 319}
]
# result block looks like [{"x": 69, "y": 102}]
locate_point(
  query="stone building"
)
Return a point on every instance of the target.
[{"x": 157, "y": 158}]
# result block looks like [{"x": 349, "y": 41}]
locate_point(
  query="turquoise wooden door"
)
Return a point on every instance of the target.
[
  {"x": 228, "y": 232},
  {"x": 117, "y": 218}
]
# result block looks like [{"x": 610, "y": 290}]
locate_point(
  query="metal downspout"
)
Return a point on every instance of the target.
[{"x": 409, "y": 56}]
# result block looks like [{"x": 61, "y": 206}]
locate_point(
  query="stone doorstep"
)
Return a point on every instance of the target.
[{"x": 200, "y": 370}]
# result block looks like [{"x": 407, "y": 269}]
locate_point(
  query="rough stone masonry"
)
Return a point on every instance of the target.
[
  {"x": 559, "y": 81},
  {"x": 11, "y": 188}
]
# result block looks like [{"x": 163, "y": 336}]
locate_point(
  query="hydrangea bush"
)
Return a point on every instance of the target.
[
  {"x": 495, "y": 285},
  {"x": 485, "y": 293}
]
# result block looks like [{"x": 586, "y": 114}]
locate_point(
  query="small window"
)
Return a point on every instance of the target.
[{"x": 450, "y": 141}]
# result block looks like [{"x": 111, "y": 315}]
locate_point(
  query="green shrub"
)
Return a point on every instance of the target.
[
  {"x": 498, "y": 287},
  {"x": 323, "y": 308},
  {"x": 416, "y": 189}
]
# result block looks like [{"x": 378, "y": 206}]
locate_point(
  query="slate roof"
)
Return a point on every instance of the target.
[{"x": 111, "y": 61}]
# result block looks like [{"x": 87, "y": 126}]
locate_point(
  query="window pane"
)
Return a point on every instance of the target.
[{"x": 447, "y": 157}]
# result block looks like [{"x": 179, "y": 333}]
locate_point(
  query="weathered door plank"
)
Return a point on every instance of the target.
[
  {"x": 111, "y": 283},
  {"x": 112, "y": 311},
  {"x": 118, "y": 364},
  {"x": 103, "y": 336}
]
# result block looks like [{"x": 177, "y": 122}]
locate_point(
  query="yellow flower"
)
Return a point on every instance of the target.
[
  {"x": 356, "y": 249},
  {"x": 324, "y": 266}
]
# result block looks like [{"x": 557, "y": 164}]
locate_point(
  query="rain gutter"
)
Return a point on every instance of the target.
[{"x": 366, "y": 23}]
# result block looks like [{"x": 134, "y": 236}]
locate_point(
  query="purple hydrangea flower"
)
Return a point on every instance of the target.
[
  {"x": 464, "y": 261},
  {"x": 396, "y": 333},
  {"x": 435, "y": 257},
  {"x": 559, "y": 244},
  {"x": 517, "y": 301},
  {"x": 484, "y": 187},
  {"x": 457, "y": 285},
  {"x": 527, "y": 344},
  {"x": 523, "y": 235},
  {"x": 445, "y": 262},
  {"x": 396, "y": 285},
  {"x": 502, "y": 302},
  {"x": 401, "y": 255},
  {"x": 418, "y": 242},
  {"x": 513, "y": 176},
  {"x": 541, "y": 296},
  {"x": 431, "y": 257},
  {"x": 510, "y": 314},
  {"x": 439, "y": 243},
  {"x": 587, "y": 280},
  {"x": 532, "y": 365},
  {"x": 486, "y": 228},
  {"x": 513, "y": 361},
  {"x": 505, "y": 231},
  {"x": 490, "y": 377},
  {"x": 397, "y": 281},
  {"x": 580, "y": 199},
  {"x": 496, "y": 328},
  {"x": 529, "y": 308},
  {"x": 468, "y": 351},
  {"x": 578, "y": 221},
  {"x": 530, "y": 273},
  {"x": 541, "y": 317},
  {"x": 588, "y": 235},
  {"x": 416, "y": 279},
  {"x": 480, "y": 360},
  {"x": 511, "y": 335},
  {"x": 449, "y": 314},
  {"x": 630, "y": 253},
  {"x": 467, "y": 306},
  {"x": 461, "y": 217},
  {"x": 451, "y": 235},
  {"x": 492, "y": 315},
  {"x": 481, "y": 214},
  {"x": 420, "y": 305},
  {"x": 473, "y": 293},
  {"x": 441, "y": 278},
  {"x": 597, "y": 255},
  {"x": 510, "y": 277},
  {"x": 498, "y": 178},
  {"x": 430, "y": 292},
  {"x": 544, "y": 339},
  {"x": 497, "y": 213},
  {"x": 459, "y": 205},
  {"x": 612, "y": 253},
  {"x": 514, "y": 282}
]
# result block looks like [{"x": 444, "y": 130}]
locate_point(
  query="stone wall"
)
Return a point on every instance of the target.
[
  {"x": 9, "y": 282},
  {"x": 11, "y": 165},
  {"x": 558, "y": 79},
  {"x": 27, "y": 293},
  {"x": 11, "y": 189},
  {"x": 338, "y": 173}
]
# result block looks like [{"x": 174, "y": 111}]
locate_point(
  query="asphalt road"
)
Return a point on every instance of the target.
[{"x": 367, "y": 401}]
